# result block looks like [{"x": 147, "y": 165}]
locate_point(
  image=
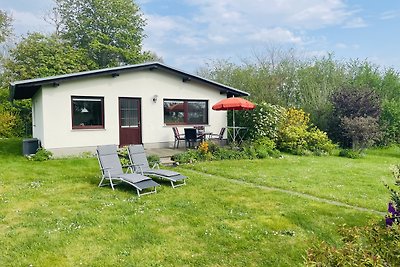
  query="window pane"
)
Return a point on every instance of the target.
[
  {"x": 87, "y": 112},
  {"x": 129, "y": 113},
  {"x": 197, "y": 112},
  {"x": 185, "y": 112},
  {"x": 174, "y": 112}
]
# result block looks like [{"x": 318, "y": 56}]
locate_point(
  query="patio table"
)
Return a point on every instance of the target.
[{"x": 237, "y": 133}]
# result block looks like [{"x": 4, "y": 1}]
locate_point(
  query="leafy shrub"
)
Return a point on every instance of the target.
[
  {"x": 265, "y": 147},
  {"x": 373, "y": 245},
  {"x": 299, "y": 137},
  {"x": 318, "y": 142},
  {"x": 42, "y": 154},
  {"x": 261, "y": 148},
  {"x": 363, "y": 131},
  {"x": 8, "y": 122},
  {"x": 390, "y": 122},
  {"x": 351, "y": 103}
]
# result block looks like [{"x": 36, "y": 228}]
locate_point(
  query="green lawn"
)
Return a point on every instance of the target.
[{"x": 231, "y": 213}]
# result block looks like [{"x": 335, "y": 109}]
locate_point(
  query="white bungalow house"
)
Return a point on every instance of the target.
[{"x": 124, "y": 105}]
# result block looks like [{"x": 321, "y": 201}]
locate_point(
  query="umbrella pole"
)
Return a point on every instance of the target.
[{"x": 234, "y": 128}]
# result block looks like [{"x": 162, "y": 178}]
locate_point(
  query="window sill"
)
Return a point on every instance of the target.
[{"x": 87, "y": 129}]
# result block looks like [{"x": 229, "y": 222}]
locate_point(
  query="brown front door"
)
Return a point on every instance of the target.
[{"x": 130, "y": 131}]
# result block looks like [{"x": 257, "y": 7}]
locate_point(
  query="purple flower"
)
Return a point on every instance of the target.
[{"x": 393, "y": 215}]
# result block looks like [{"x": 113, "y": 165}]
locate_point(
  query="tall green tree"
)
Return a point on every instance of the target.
[
  {"x": 5, "y": 25},
  {"x": 35, "y": 56},
  {"x": 38, "y": 55},
  {"x": 110, "y": 31}
]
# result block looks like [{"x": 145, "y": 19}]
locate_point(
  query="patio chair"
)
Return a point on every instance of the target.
[
  {"x": 112, "y": 171},
  {"x": 139, "y": 162},
  {"x": 219, "y": 136},
  {"x": 178, "y": 137}
]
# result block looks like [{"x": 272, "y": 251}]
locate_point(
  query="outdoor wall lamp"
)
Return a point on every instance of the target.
[{"x": 155, "y": 97}]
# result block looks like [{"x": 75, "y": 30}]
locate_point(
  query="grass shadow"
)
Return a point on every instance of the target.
[{"x": 11, "y": 147}]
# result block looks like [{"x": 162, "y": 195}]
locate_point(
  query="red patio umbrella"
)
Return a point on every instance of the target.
[{"x": 233, "y": 103}]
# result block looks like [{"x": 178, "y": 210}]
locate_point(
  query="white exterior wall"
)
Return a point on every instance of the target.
[
  {"x": 57, "y": 134},
  {"x": 37, "y": 116}
]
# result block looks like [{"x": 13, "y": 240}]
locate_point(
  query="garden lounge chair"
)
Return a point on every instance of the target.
[
  {"x": 138, "y": 159},
  {"x": 111, "y": 171}
]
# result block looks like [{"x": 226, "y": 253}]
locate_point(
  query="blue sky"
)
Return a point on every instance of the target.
[{"x": 189, "y": 33}]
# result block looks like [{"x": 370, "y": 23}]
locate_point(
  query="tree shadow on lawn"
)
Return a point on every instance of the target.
[{"x": 392, "y": 151}]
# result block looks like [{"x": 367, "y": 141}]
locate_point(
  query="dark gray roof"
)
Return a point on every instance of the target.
[{"x": 27, "y": 88}]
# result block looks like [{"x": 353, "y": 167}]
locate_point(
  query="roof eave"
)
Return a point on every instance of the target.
[{"x": 55, "y": 80}]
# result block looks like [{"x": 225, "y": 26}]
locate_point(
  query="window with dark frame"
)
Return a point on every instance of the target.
[
  {"x": 181, "y": 112},
  {"x": 87, "y": 112}
]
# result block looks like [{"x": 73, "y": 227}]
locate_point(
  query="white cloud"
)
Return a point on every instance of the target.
[
  {"x": 221, "y": 29},
  {"x": 341, "y": 46},
  {"x": 288, "y": 13},
  {"x": 355, "y": 23},
  {"x": 391, "y": 14},
  {"x": 275, "y": 35},
  {"x": 159, "y": 26},
  {"x": 218, "y": 39}
]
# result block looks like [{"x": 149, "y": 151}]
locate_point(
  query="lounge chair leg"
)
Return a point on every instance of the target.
[{"x": 101, "y": 182}]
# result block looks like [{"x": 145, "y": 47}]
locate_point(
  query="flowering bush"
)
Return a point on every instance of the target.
[
  {"x": 373, "y": 245},
  {"x": 394, "y": 206},
  {"x": 264, "y": 121}
]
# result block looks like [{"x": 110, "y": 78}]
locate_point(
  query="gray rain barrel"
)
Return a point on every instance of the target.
[{"x": 30, "y": 146}]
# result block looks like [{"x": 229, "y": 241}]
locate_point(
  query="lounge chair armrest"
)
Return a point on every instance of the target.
[
  {"x": 127, "y": 166},
  {"x": 107, "y": 168},
  {"x": 106, "y": 171},
  {"x": 137, "y": 166}
]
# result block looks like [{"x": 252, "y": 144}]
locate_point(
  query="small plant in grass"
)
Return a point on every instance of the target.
[
  {"x": 190, "y": 156},
  {"x": 350, "y": 153},
  {"x": 41, "y": 155},
  {"x": 265, "y": 147},
  {"x": 153, "y": 160},
  {"x": 123, "y": 156}
]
